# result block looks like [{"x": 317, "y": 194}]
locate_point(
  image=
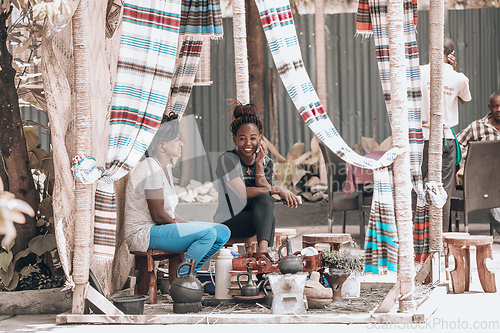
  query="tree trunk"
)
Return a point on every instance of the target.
[
  {"x": 13, "y": 143},
  {"x": 436, "y": 20},
  {"x": 256, "y": 58},
  {"x": 400, "y": 138},
  {"x": 240, "y": 52},
  {"x": 83, "y": 125}
]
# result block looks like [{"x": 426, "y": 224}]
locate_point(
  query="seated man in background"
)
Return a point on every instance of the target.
[{"x": 485, "y": 129}]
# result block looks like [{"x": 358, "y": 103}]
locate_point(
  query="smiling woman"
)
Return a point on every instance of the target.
[{"x": 246, "y": 182}]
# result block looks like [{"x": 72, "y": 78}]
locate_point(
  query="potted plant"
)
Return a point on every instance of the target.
[{"x": 339, "y": 266}]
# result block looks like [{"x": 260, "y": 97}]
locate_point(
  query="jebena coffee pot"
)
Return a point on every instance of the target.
[
  {"x": 187, "y": 288},
  {"x": 250, "y": 289},
  {"x": 290, "y": 264}
]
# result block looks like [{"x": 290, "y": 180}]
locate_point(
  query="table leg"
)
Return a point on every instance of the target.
[
  {"x": 466, "y": 251},
  {"x": 458, "y": 273},
  {"x": 486, "y": 277}
]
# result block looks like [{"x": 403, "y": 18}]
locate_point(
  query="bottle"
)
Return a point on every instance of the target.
[{"x": 223, "y": 266}]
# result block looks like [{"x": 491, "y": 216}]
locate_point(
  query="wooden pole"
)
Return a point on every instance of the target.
[
  {"x": 400, "y": 138},
  {"x": 319, "y": 38},
  {"x": 83, "y": 123},
  {"x": 240, "y": 52},
  {"x": 256, "y": 58},
  {"x": 273, "y": 108},
  {"x": 436, "y": 19}
]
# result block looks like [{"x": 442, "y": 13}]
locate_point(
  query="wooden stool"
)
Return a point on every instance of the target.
[
  {"x": 459, "y": 248},
  {"x": 446, "y": 250},
  {"x": 250, "y": 243},
  {"x": 144, "y": 263},
  {"x": 335, "y": 240}
]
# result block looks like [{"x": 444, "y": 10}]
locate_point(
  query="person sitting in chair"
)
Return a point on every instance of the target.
[
  {"x": 246, "y": 182},
  {"x": 150, "y": 218},
  {"x": 485, "y": 129}
]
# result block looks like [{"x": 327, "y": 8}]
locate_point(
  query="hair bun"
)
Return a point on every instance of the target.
[
  {"x": 170, "y": 116},
  {"x": 241, "y": 110}
]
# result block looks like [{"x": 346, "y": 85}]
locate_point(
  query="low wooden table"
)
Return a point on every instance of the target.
[
  {"x": 334, "y": 240},
  {"x": 459, "y": 248}
]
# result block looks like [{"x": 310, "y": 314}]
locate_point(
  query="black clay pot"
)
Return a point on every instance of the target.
[
  {"x": 290, "y": 264},
  {"x": 186, "y": 288}
]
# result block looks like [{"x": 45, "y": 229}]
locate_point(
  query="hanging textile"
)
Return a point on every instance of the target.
[
  {"x": 277, "y": 21},
  {"x": 188, "y": 59},
  {"x": 372, "y": 18},
  {"x": 148, "y": 48}
]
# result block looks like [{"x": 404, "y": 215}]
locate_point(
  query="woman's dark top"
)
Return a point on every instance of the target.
[{"x": 229, "y": 166}]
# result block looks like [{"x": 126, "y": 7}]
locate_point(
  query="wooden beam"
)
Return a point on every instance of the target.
[
  {"x": 102, "y": 302},
  {"x": 390, "y": 299}
]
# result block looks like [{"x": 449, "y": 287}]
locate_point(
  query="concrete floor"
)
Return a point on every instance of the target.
[{"x": 469, "y": 312}]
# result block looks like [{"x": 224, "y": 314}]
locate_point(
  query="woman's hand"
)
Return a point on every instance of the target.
[
  {"x": 290, "y": 198},
  {"x": 261, "y": 152}
]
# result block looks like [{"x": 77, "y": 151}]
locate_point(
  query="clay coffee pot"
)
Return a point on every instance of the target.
[
  {"x": 187, "y": 288},
  {"x": 250, "y": 289},
  {"x": 290, "y": 264}
]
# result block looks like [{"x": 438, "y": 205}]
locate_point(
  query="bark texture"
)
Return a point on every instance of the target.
[
  {"x": 402, "y": 176},
  {"x": 13, "y": 143},
  {"x": 436, "y": 20},
  {"x": 256, "y": 58}
]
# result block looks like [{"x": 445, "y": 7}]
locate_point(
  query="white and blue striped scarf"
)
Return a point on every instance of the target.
[{"x": 277, "y": 21}]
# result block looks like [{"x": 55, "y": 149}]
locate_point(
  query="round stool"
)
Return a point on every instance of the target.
[
  {"x": 459, "y": 248},
  {"x": 334, "y": 240}
]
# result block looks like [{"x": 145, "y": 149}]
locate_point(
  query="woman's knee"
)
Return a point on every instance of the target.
[
  {"x": 264, "y": 201},
  {"x": 223, "y": 232}
]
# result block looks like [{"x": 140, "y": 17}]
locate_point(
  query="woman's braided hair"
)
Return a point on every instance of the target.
[
  {"x": 244, "y": 114},
  {"x": 168, "y": 131}
]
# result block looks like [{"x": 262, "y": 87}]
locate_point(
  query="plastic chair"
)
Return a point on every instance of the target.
[
  {"x": 481, "y": 180},
  {"x": 336, "y": 170}
]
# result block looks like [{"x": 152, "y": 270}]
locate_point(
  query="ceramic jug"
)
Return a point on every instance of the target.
[
  {"x": 187, "y": 288},
  {"x": 290, "y": 264}
]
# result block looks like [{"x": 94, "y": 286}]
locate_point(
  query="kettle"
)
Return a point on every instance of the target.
[
  {"x": 250, "y": 289},
  {"x": 187, "y": 288},
  {"x": 290, "y": 264}
]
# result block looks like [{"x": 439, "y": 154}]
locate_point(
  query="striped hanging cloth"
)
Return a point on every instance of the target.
[
  {"x": 200, "y": 22},
  {"x": 186, "y": 66},
  {"x": 146, "y": 64},
  {"x": 277, "y": 21},
  {"x": 372, "y": 19}
]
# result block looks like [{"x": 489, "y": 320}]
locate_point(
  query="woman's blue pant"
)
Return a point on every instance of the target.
[{"x": 200, "y": 240}]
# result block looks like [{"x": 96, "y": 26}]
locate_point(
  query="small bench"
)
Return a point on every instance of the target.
[
  {"x": 459, "y": 248},
  {"x": 251, "y": 244},
  {"x": 144, "y": 263},
  {"x": 334, "y": 240}
]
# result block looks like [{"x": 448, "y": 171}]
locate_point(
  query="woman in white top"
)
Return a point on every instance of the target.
[{"x": 150, "y": 218}]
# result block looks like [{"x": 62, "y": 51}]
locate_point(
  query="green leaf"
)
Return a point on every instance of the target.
[
  {"x": 22, "y": 254},
  {"x": 43, "y": 243},
  {"x": 14, "y": 280},
  {"x": 46, "y": 207},
  {"x": 5, "y": 260},
  {"x": 41, "y": 222}
]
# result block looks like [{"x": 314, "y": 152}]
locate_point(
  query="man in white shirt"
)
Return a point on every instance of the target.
[{"x": 455, "y": 88}]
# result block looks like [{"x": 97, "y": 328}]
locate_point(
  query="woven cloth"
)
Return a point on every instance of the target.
[
  {"x": 277, "y": 21},
  {"x": 201, "y": 17},
  {"x": 187, "y": 62},
  {"x": 146, "y": 64},
  {"x": 373, "y": 14}
]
